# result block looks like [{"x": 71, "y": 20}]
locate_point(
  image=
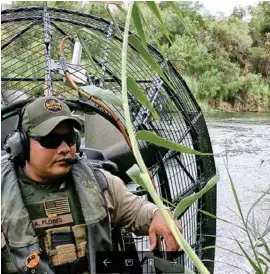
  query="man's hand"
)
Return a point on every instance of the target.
[{"x": 159, "y": 227}]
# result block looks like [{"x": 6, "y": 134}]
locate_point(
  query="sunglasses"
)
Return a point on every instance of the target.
[{"x": 53, "y": 140}]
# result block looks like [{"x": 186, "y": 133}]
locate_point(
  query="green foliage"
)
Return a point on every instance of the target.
[
  {"x": 224, "y": 60},
  {"x": 188, "y": 201},
  {"x": 137, "y": 44},
  {"x": 140, "y": 173},
  {"x": 152, "y": 138},
  {"x": 231, "y": 34},
  {"x": 104, "y": 94},
  {"x": 255, "y": 249},
  {"x": 98, "y": 9},
  {"x": 192, "y": 58},
  {"x": 260, "y": 22},
  {"x": 255, "y": 83},
  {"x": 135, "y": 90},
  {"x": 137, "y": 20}
]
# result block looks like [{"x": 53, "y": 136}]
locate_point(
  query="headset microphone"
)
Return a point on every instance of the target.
[
  {"x": 76, "y": 159},
  {"x": 72, "y": 160}
]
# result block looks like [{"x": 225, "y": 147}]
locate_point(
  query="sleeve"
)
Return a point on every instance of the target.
[{"x": 126, "y": 209}]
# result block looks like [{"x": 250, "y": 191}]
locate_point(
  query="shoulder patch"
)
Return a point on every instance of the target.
[{"x": 53, "y": 105}]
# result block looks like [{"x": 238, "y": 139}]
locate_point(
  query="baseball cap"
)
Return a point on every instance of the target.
[{"x": 42, "y": 115}]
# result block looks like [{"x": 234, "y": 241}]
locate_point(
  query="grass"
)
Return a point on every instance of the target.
[{"x": 256, "y": 233}]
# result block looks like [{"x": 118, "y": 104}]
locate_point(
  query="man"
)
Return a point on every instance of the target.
[{"x": 54, "y": 213}]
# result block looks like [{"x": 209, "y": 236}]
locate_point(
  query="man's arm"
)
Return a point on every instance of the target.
[
  {"x": 126, "y": 209},
  {"x": 141, "y": 217}
]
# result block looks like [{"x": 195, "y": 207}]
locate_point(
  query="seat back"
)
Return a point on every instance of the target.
[{"x": 98, "y": 160}]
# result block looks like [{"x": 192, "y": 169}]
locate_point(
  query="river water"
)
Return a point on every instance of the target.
[{"x": 246, "y": 140}]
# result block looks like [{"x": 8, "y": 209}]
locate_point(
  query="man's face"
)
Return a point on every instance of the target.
[{"x": 49, "y": 163}]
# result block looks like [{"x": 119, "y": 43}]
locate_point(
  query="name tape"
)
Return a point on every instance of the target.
[{"x": 49, "y": 222}]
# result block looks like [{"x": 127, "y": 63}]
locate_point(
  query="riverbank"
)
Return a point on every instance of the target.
[{"x": 251, "y": 105}]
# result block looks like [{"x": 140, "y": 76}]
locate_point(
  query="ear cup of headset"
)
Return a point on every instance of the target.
[{"x": 17, "y": 145}]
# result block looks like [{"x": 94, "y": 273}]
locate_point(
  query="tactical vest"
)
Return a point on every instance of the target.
[{"x": 19, "y": 233}]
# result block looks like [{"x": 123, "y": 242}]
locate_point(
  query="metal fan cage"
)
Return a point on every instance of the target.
[{"x": 30, "y": 68}]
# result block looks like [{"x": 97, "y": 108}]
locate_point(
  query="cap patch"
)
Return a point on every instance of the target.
[{"x": 53, "y": 105}]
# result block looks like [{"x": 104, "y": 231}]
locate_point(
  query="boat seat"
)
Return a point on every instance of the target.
[{"x": 98, "y": 159}]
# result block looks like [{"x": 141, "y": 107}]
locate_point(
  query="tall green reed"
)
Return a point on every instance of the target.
[
  {"x": 256, "y": 248},
  {"x": 139, "y": 172}
]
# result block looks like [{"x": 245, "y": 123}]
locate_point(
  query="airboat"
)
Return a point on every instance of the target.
[{"x": 31, "y": 67}]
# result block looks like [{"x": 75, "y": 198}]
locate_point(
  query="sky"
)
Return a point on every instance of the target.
[{"x": 226, "y": 7}]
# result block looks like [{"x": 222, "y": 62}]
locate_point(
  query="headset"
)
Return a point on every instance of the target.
[{"x": 17, "y": 145}]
